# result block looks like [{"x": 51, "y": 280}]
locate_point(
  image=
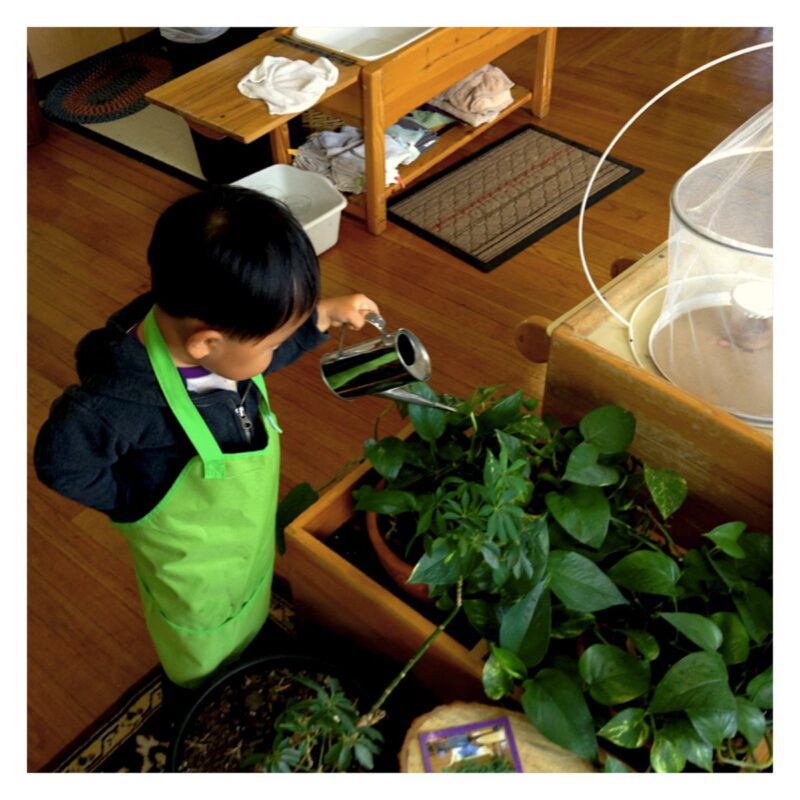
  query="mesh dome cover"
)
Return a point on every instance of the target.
[{"x": 714, "y": 334}]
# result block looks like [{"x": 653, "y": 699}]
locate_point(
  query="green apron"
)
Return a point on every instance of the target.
[{"x": 204, "y": 555}]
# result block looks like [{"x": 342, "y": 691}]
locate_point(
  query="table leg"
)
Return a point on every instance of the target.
[
  {"x": 209, "y": 133},
  {"x": 279, "y": 142},
  {"x": 374, "y": 151},
  {"x": 543, "y": 72}
]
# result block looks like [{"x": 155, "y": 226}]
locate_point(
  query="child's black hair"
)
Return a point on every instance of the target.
[{"x": 235, "y": 259}]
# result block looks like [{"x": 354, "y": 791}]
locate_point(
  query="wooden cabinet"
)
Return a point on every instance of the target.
[
  {"x": 399, "y": 83},
  {"x": 369, "y": 94},
  {"x": 52, "y": 49}
]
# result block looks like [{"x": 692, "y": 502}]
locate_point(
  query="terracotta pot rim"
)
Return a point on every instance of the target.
[{"x": 391, "y": 562}]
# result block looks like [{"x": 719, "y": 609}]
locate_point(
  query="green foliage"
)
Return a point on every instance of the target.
[
  {"x": 557, "y": 707},
  {"x": 555, "y": 538},
  {"x": 525, "y": 626},
  {"x": 648, "y": 572},
  {"x": 297, "y": 500},
  {"x": 321, "y": 733},
  {"x": 614, "y": 765},
  {"x": 628, "y": 729},
  {"x": 697, "y": 682},
  {"x": 667, "y": 488},
  {"x": 583, "y": 512},
  {"x": 500, "y": 670},
  {"x": 580, "y": 584},
  {"x": 613, "y": 675},
  {"x": 609, "y": 429},
  {"x": 726, "y": 537},
  {"x": 703, "y": 632}
]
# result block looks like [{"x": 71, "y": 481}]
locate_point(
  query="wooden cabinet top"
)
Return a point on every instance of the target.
[{"x": 208, "y": 97}]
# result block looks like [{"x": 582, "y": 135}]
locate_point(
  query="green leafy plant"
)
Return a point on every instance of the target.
[
  {"x": 321, "y": 733},
  {"x": 555, "y": 542},
  {"x": 324, "y": 732}
]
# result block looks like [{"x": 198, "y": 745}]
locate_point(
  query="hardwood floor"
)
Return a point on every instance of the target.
[{"x": 90, "y": 214}]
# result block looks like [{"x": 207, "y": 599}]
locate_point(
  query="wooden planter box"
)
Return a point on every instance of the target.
[{"x": 330, "y": 591}]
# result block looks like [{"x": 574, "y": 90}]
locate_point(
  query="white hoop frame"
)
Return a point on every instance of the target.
[{"x": 610, "y": 147}]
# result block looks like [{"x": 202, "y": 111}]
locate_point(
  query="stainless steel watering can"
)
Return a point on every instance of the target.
[{"x": 381, "y": 366}]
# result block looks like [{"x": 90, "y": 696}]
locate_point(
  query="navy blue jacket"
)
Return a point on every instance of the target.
[{"x": 113, "y": 444}]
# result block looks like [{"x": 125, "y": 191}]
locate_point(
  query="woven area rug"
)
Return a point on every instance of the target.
[{"x": 506, "y": 196}]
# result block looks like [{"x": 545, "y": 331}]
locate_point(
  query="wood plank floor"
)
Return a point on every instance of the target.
[{"x": 90, "y": 213}]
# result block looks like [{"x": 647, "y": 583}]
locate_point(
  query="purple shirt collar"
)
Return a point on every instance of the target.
[{"x": 186, "y": 372}]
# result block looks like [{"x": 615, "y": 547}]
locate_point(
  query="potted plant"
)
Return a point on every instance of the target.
[
  {"x": 286, "y": 713},
  {"x": 557, "y": 540}
]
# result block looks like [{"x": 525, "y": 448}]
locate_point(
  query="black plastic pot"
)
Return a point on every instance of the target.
[{"x": 293, "y": 661}]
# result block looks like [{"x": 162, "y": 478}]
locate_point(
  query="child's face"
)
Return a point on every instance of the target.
[{"x": 239, "y": 360}]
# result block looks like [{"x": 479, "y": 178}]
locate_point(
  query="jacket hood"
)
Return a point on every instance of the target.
[{"x": 111, "y": 362}]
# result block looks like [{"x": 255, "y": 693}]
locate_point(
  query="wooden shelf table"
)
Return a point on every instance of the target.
[
  {"x": 210, "y": 102},
  {"x": 369, "y": 94}
]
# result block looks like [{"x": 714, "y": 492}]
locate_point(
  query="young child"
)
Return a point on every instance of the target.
[{"x": 170, "y": 431}]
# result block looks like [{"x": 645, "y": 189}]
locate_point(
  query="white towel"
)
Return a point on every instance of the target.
[{"x": 286, "y": 86}]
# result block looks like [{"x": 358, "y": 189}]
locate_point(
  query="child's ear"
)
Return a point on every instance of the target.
[{"x": 202, "y": 342}]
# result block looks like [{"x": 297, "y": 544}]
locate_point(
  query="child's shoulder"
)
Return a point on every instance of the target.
[{"x": 112, "y": 365}]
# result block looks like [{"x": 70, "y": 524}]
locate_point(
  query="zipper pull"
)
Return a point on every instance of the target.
[{"x": 244, "y": 421}]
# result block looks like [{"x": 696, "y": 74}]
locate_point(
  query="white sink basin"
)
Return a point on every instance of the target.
[{"x": 366, "y": 44}]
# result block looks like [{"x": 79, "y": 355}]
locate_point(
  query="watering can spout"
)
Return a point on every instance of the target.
[{"x": 410, "y": 397}]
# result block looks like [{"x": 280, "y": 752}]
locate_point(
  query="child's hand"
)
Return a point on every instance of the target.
[{"x": 349, "y": 309}]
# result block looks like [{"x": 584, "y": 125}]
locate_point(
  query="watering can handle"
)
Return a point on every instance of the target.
[
  {"x": 603, "y": 157},
  {"x": 377, "y": 320},
  {"x": 373, "y": 318}
]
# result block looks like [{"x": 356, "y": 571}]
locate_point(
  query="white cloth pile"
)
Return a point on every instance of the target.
[
  {"x": 191, "y": 35},
  {"x": 478, "y": 98},
  {"x": 339, "y": 155},
  {"x": 287, "y": 86}
]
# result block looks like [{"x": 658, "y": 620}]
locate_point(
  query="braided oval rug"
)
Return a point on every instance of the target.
[{"x": 106, "y": 87}]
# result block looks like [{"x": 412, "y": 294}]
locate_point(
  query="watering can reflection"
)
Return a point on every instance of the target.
[{"x": 380, "y": 366}]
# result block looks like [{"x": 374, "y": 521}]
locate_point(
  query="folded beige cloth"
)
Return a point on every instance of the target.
[
  {"x": 486, "y": 89},
  {"x": 478, "y": 98}
]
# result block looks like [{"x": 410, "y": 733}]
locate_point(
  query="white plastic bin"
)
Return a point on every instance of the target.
[
  {"x": 312, "y": 198},
  {"x": 367, "y": 44}
]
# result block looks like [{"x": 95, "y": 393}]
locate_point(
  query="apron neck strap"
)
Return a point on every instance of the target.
[{"x": 180, "y": 403}]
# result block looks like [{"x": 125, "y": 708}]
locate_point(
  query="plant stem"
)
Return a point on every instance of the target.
[
  {"x": 378, "y": 420},
  {"x": 344, "y": 470},
  {"x": 371, "y": 717},
  {"x": 752, "y": 765},
  {"x": 663, "y": 530},
  {"x": 733, "y": 761},
  {"x": 322, "y": 749},
  {"x": 600, "y": 635},
  {"x": 471, "y": 453}
]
